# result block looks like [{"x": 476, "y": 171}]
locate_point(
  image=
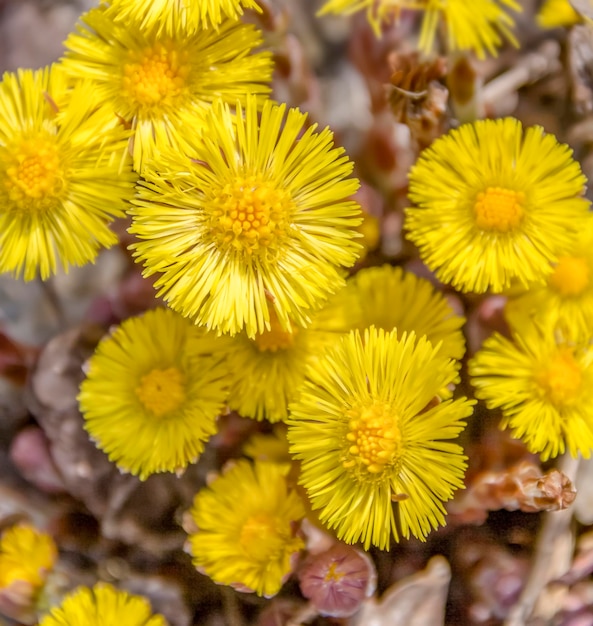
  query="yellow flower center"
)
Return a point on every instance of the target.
[
  {"x": 571, "y": 276},
  {"x": 250, "y": 215},
  {"x": 562, "y": 378},
  {"x": 499, "y": 209},
  {"x": 276, "y": 338},
  {"x": 156, "y": 75},
  {"x": 260, "y": 539},
  {"x": 375, "y": 438},
  {"x": 332, "y": 575},
  {"x": 161, "y": 391},
  {"x": 33, "y": 174}
]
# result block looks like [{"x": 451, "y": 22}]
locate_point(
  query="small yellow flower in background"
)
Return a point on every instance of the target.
[
  {"x": 268, "y": 446},
  {"x": 257, "y": 215},
  {"x": 63, "y": 175},
  {"x": 557, "y": 13},
  {"x": 389, "y": 297},
  {"x": 153, "y": 391},
  {"x": 369, "y": 431},
  {"x": 191, "y": 15},
  {"x": 566, "y": 301},
  {"x": 479, "y": 25},
  {"x": 495, "y": 204},
  {"x": 246, "y": 528},
  {"x": 103, "y": 604},
  {"x": 268, "y": 370},
  {"x": 544, "y": 387},
  {"x": 150, "y": 79},
  {"x": 27, "y": 556}
]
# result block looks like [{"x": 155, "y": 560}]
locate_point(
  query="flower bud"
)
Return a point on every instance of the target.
[{"x": 338, "y": 580}]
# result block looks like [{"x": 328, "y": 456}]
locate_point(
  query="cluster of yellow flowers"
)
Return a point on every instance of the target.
[{"x": 243, "y": 211}]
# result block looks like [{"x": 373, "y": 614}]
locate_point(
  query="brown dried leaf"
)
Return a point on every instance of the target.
[
  {"x": 416, "y": 96},
  {"x": 583, "y": 7},
  {"x": 15, "y": 359},
  {"x": 582, "y": 564},
  {"x": 417, "y": 600},
  {"x": 580, "y": 58},
  {"x": 492, "y": 574},
  {"x": 521, "y": 487}
]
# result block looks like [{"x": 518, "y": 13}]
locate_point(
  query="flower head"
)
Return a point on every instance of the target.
[
  {"x": 255, "y": 215},
  {"x": 556, "y": 13},
  {"x": 268, "y": 370},
  {"x": 63, "y": 175},
  {"x": 102, "y": 604},
  {"x": 370, "y": 432},
  {"x": 389, "y": 297},
  {"x": 246, "y": 521},
  {"x": 566, "y": 301},
  {"x": 479, "y": 25},
  {"x": 170, "y": 15},
  {"x": 153, "y": 391},
  {"x": 151, "y": 79},
  {"x": 27, "y": 555},
  {"x": 495, "y": 203},
  {"x": 543, "y": 385}
]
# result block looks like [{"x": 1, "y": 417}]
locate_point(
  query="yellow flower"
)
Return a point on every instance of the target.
[
  {"x": 102, "y": 604},
  {"x": 557, "y": 13},
  {"x": 246, "y": 522},
  {"x": 168, "y": 15},
  {"x": 389, "y": 297},
  {"x": 544, "y": 387},
  {"x": 566, "y": 301},
  {"x": 63, "y": 176},
  {"x": 479, "y": 25},
  {"x": 268, "y": 447},
  {"x": 369, "y": 431},
  {"x": 151, "y": 79},
  {"x": 258, "y": 215},
  {"x": 26, "y": 555},
  {"x": 495, "y": 203},
  {"x": 268, "y": 370},
  {"x": 153, "y": 391}
]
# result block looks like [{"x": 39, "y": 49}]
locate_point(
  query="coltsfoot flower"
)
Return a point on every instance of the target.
[
  {"x": 495, "y": 204},
  {"x": 154, "y": 389},
  {"x": 480, "y": 25},
  {"x": 566, "y": 301},
  {"x": 268, "y": 446},
  {"x": 63, "y": 173},
  {"x": 557, "y": 13},
  {"x": 543, "y": 384},
  {"x": 256, "y": 217},
  {"x": 151, "y": 79},
  {"x": 27, "y": 556},
  {"x": 389, "y": 297},
  {"x": 103, "y": 604},
  {"x": 246, "y": 522},
  {"x": 268, "y": 370},
  {"x": 370, "y": 432},
  {"x": 170, "y": 15}
]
